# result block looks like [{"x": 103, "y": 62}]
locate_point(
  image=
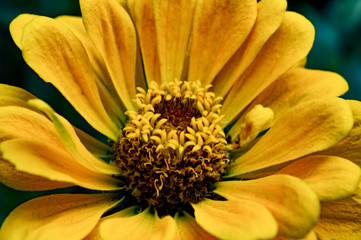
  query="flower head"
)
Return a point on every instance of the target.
[{"x": 215, "y": 128}]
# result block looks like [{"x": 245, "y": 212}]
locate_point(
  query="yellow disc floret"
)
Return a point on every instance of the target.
[{"x": 172, "y": 150}]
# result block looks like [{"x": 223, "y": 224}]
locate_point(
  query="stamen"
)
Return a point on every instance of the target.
[{"x": 172, "y": 150}]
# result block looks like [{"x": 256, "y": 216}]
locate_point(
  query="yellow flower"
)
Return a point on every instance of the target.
[{"x": 216, "y": 129}]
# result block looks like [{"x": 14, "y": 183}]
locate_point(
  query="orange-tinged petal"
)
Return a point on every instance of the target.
[
  {"x": 23, "y": 181},
  {"x": 330, "y": 177},
  {"x": 350, "y": 147},
  {"x": 291, "y": 201},
  {"x": 42, "y": 159},
  {"x": 49, "y": 48},
  {"x": 296, "y": 86},
  {"x": 340, "y": 219},
  {"x": 232, "y": 219},
  {"x": 213, "y": 44},
  {"x": 59, "y": 216},
  {"x": 143, "y": 17},
  {"x": 17, "y": 27},
  {"x": 123, "y": 225},
  {"x": 290, "y": 43},
  {"x": 188, "y": 228},
  {"x": 173, "y": 37},
  {"x": 307, "y": 128},
  {"x": 270, "y": 14},
  {"x": 113, "y": 34},
  {"x": 72, "y": 142}
]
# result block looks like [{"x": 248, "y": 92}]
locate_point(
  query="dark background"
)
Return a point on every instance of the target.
[{"x": 336, "y": 48}]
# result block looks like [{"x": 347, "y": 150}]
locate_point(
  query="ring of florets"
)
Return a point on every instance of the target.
[{"x": 172, "y": 150}]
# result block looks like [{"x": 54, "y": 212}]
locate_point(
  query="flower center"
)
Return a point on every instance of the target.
[{"x": 172, "y": 150}]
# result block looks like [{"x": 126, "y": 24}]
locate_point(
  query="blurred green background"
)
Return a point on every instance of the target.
[{"x": 337, "y": 48}]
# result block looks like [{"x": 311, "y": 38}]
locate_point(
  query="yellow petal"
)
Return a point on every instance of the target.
[
  {"x": 310, "y": 236},
  {"x": 59, "y": 216},
  {"x": 270, "y": 14},
  {"x": 255, "y": 121},
  {"x": 350, "y": 147},
  {"x": 23, "y": 181},
  {"x": 17, "y": 26},
  {"x": 55, "y": 53},
  {"x": 330, "y": 177},
  {"x": 75, "y": 24},
  {"x": 14, "y": 96},
  {"x": 172, "y": 42},
  {"x": 219, "y": 29},
  {"x": 18, "y": 122},
  {"x": 127, "y": 225},
  {"x": 296, "y": 86},
  {"x": 232, "y": 219},
  {"x": 109, "y": 96},
  {"x": 143, "y": 17},
  {"x": 292, "y": 203},
  {"x": 188, "y": 228},
  {"x": 113, "y": 34},
  {"x": 341, "y": 219},
  {"x": 42, "y": 159},
  {"x": 72, "y": 142},
  {"x": 94, "y": 146},
  {"x": 308, "y": 127},
  {"x": 290, "y": 43}
]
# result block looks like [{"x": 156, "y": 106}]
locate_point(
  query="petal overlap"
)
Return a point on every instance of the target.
[
  {"x": 235, "y": 218},
  {"x": 290, "y": 43},
  {"x": 115, "y": 39},
  {"x": 60, "y": 216},
  {"x": 206, "y": 55},
  {"x": 325, "y": 122},
  {"x": 48, "y": 47},
  {"x": 291, "y": 201},
  {"x": 128, "y": 225},
  {"x": 331, "y": 178}
]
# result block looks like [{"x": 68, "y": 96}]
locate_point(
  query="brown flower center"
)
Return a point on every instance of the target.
[{"x": 172, "y": 150}]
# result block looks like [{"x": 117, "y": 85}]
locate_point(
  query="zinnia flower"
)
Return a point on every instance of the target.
[{"x": 215, "y": 128}]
